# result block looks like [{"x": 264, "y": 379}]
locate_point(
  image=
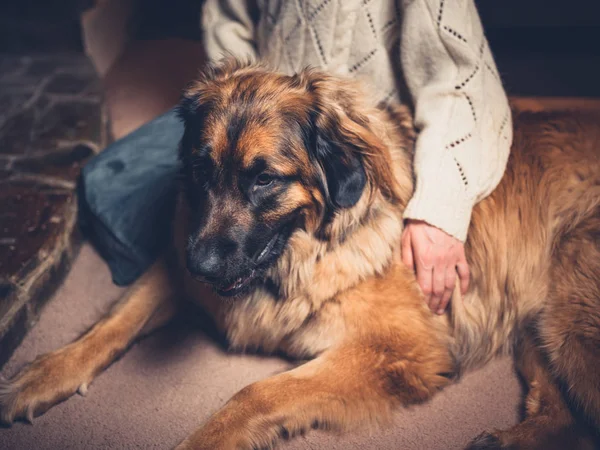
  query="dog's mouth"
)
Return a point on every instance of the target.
[{"x": 239, "y": 285}]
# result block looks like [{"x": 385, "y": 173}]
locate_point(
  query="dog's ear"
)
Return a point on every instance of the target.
[
  {"x": 344, "y": 171},
  {"x": 192, "y": 114},
  {"x": 188, "y": 111},
  {"x": 347, "y": 133},
  {"x": 335, "y": 139}
]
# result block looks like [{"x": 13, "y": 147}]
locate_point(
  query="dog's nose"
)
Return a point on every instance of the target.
[{"x": 207, "y": 259}]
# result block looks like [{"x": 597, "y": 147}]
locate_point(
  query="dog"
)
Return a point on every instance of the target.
[{"x": 287, "y": 233}]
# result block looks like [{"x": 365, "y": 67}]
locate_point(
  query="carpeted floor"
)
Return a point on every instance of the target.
[{"x": 169, "y": 383}]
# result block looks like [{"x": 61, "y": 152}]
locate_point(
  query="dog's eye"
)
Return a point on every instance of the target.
[{"x": 264, "y": 179}]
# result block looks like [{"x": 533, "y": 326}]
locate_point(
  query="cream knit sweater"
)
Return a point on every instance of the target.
[{"x": 432, "y": 53}]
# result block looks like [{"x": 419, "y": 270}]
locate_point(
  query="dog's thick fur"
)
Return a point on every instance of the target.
[{"x": 335, "y": 292}]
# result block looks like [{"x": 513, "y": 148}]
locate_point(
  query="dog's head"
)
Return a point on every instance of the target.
[{"x": 263, "y": 155}]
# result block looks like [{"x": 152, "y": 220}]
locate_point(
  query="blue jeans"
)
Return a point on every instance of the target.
[{"x": 127, "y": 196}]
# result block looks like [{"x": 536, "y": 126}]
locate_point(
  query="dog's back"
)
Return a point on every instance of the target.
[{"x": 551, "y": 187}]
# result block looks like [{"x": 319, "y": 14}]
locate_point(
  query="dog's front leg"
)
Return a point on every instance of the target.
[
  {"x": 56, "y": 376},
  {"x": 356, "y": 384}
]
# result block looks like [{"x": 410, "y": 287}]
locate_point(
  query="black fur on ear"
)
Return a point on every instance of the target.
[
  {"x": 336, "y": 150},
  {"x": 344, "y": 171},
  {"x": 354, "y": 160},
  {"x": 190, "y": 113},
  {"x": 338, "y": 137}
]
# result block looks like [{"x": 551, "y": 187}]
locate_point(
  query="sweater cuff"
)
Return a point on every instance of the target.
[{"x": 443, "y": 203}]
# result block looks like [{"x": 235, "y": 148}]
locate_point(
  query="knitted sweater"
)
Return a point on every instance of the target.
[{"x": 431, "y": 54}]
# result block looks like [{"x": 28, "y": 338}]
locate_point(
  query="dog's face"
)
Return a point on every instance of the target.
[{"x": 263, "y": 155}]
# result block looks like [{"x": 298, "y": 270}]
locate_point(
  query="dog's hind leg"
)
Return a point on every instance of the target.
[
  {"x": 570, "y": 324},
  {"x": 548, "y": 423},
  {"x": 54, "y": 377},
  {"x": 561, "y": 361}
]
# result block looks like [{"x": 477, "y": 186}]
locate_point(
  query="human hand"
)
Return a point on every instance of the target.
[{"x": 436, "y": 257}]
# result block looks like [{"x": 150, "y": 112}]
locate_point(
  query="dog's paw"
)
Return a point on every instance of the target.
[
  {"x": 486, "y": 441},
  {"x": 47, "y": 381},
  {"x": 217, "y": 435},
  {"x": 203, "y": 441}
]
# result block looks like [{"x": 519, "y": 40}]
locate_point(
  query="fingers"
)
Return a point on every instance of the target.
[
  {"x": 449, "y": 285},
  {"x": 439, "y": 287},
  {"x": 444, "y": 277},
  {"x": 425, "y": 280},
  {"x": 436, "y": 257},
  {"x": 407, "y": 252},
  {"x": 464, "y": 275}
]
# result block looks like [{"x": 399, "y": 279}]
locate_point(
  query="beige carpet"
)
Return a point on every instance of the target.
[{"x": 169, "y": 383}]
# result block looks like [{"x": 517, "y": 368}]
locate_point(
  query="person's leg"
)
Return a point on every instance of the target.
[
  {"x": 127, "y": 191},
  {"x": 126, "y": 197}
]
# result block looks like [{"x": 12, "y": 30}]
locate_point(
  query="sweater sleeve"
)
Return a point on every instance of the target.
[
  {"x": 229, "y": 28},
  {"x": 461, "y": 111}
]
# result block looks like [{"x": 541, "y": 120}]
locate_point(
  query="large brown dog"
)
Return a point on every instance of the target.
[{"x": 294, "y": 193}]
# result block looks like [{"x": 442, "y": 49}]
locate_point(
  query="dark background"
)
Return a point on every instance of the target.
[{"x": 542, "y": 47}]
